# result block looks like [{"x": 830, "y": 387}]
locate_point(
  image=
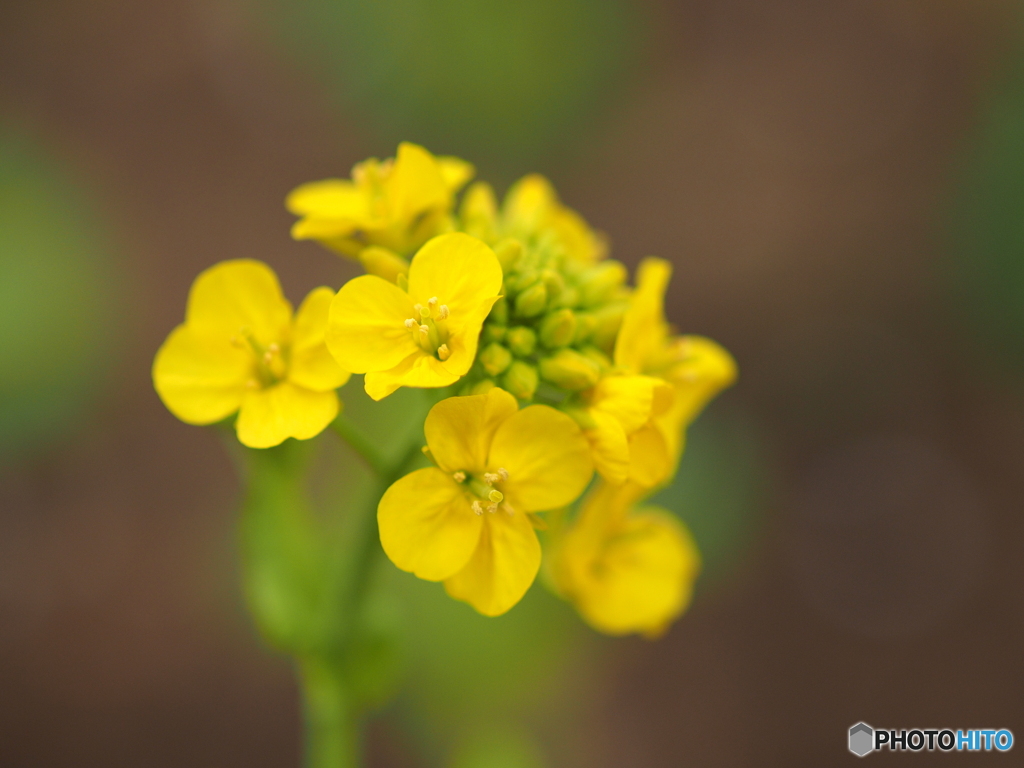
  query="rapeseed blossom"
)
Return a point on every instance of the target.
[
  {"x": 396, "y": 205},
  {"x": 241, "y": 350},
  {"x": 626, "y": 569},
  {"x": 469, "y": 521},
  {"x": 426, "y": 334}
]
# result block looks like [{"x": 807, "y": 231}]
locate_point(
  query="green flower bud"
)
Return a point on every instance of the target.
[
  {"x": 521, "y": 380},
  {"x": 492, "y": 332},
  {"x": 508, "y": 252},
  {"x": 479, "y": 211},
  {"x": 533, "y": 301},
  {"x": 585, "y": 325},
  {"x": 581, "y": 417},
  {"x": 482, "y": 387},
  {"x": 521, "y": 278},
  {"x": 609, "y": 319},
  {"x": 558, "y": 329},
  {"x": 554, "y": 282},
  {"x": 495, "y": 358},
  {"x": 570, "y": 370},
  {"x": 569, "y": 297},
  {"x": 521, "y": 340},
  {"x": 600, "y": 282},
  {"x": 499, "y": 312},
  {"x": 593, "y": 353}
]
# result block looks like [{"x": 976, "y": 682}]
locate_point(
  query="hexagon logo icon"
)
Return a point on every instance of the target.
[{"x": 862, "y": 737}]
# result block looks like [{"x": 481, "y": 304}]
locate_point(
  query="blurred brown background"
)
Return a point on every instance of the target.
[{"x": 799, "y": 161}]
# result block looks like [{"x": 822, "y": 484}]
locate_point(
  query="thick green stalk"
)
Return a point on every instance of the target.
[{"x": 332, "y": 722}]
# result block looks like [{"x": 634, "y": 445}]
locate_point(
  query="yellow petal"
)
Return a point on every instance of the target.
[
  {"x": 329, "y": 199},
  {"x": 415, "y": 183},
  {"x": 366, "y": 325},
  {"x": 383, "y": 263},
  {"x": 201, "y": 378},
  {"x": 630, "y": 399},
  {"x": 427, "y": 526},
  {"x": 644, "y": 577},
  {"x": 312, "y": 366},
  {"x": 546, "y": 456},
  {"x": 455, "y": 172},
  {"x": 239, "y": 297},
  {"x": 459, "y": 430},
  {"x": 270, "y": 416},
  {"x": 704, "y": 370},
  {"x": 610, "y": 447},
  {"x": 643, "y": 327},
  {"x": 529, "y": 201},
  {"x": 417, "y": 370},
  {"x": 463, "y": 273},
  {"x": 503, "y": 566},
  {"x": 651, "y": 460}
]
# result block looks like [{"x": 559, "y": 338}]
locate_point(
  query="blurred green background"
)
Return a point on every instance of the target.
[{"x": 841, "y": 189}]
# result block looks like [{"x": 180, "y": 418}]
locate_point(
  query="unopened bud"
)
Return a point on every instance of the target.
[
  {"x": 482, "y": 387},
  {"x": 479, "y": 211},
  {"x": 570, "y": 370},
  {"x": 521, "y": 380},
  {"x": 558, "y": 329},
  {"x": 585, "y": 325},
  {"x": 495, "y": 358},
  {"x": 508, "y": 252},
  {"x": 608, "y": 319},
  {"x": 492, "y": 332},
  {"x": 533, "y": 301},
  {"x": 521, "y": 340},
  {"x": 383, "y": 263},
  {"x": 554, "y": 282},
  {"x": 593, "y": 353},
  {"x": 600, "y": 282}
]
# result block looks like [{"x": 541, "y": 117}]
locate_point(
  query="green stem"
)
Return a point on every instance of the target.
[
  {"x": 332, "y": 725},
  {"x": 360, "y": 444}
]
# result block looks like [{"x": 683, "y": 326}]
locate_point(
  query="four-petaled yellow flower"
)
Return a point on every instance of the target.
[
  {"x": 467, "y": 521},
  {"x": 426, "y": 336},
  {"x": 625, "y": 569},
  {"x": 241, "y": 350},
  {"x": 697, "y": 369},
  {"x": 396, "y": 204}
]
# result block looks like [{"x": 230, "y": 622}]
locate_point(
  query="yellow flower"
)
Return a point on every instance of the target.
[
  {"x": 625, "y": 569},
  {"x": 426, "y": 336},
  {"x": 240, "y": 349},
  {"x": 621, "y": 416},
  {"x": 467, "y": 521},
  {"x": 697, "y": 368},
  {"x": 397, "y": 204}
]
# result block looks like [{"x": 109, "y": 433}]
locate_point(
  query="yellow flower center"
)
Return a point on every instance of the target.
[
  {"x": 430, "y": 329},
  {"x": 270, "y": 363},
  {"x": 481, "y": 490}
]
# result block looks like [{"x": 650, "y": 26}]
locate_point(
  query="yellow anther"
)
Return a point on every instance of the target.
[
  {"x": 424, "y": 329},
  {"x": 273, "y": 347},
  {"x": 443, "y": 312},
  {"x": 492, "y": 508},
  {"x": 460, "y": 476},
  {"x": 268, "y": 356},
  {"x": 410, "y": 323},
  {"x": 495, "y": 496},
  {"x": 432, "y": 303},
  {"x": 252, "y": 384},
  {"x": 491, "y": 478},
  {"x": 477, "y": 508},
  {"x": 418, "y": 308},
  {"x": 503, "y": 473},
  {"x": 443, "y": 352}
]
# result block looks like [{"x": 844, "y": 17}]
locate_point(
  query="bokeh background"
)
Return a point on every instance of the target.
[{"x": 840, "y": 185}]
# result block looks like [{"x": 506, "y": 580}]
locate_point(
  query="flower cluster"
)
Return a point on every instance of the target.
[{"x": 551, "y": 367}]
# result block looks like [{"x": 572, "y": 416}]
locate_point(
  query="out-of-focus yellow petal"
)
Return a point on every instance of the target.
[
  {"x": 643, "y": 578},
  {"x": 546, "y": 456},
  {"x": 630, "y": 399},
  {"x": 651, "y": 461},
  {"x": 529, "y": 201},
  {"x": 201, "y": 378},
  {"x": 503, "y": 566},
  {"x": 643, "y": 328},
  {"x": 427, "y": 526},
  {"x": 459, "y": 430},
  {"x": 479, "y": 211},
  {"x": 610, "y": 447},
  {"x": 312, "y": 365},
  {"x": 704, "y": 369},
  {"x": 236, "y": 298},
  {"x": 580, "y": 241},
  {"x": 416, "y": 183},
  {"x": 383, "y": 263},
  {"x": 329, "y": 199},
  {"x": 463, "y": 273},
  {"x": 366, "y": 325},
  {"x": 417, "y": 370},
  {"x": 270, "y": 416},
  {"x": 455, "y": 171}
]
